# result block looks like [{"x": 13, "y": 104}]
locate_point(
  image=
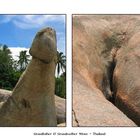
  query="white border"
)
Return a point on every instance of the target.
[{"x": 69, "y": 7}]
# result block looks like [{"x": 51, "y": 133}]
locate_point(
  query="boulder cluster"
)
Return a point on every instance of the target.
[{"x": 106, "y": 70}]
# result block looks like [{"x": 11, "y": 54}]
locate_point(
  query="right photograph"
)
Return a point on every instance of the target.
[{"x": 106, "y": 70}]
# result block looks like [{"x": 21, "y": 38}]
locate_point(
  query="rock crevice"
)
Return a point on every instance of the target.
[
  {"x": 106, "y": 66},
  {"x": 75, "y": 118}
]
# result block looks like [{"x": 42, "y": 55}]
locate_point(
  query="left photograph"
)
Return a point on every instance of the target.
[{"x": 33, "y": 70}]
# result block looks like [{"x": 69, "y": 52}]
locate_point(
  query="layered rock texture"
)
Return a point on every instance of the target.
[
  {"x": 106, "y": 70},
  {"x": 32, "y": 101}
]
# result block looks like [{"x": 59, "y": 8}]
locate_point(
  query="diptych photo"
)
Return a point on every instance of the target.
[{"x": 105, "y": 70}]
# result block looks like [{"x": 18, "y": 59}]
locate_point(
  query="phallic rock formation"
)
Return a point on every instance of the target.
[
  {"x": 32, "y": 101},
  {"x": 102, "y": 43}
]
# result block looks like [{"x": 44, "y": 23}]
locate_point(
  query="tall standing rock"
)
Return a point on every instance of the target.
[{"x": 32, "y": 101}]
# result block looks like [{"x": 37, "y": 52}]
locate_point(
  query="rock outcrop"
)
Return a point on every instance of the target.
[
  {"x": 32, "y": 101},
  {"x": 4, "y": 95},
  {"x": 100, "y": 42},
  {"x": 62, "y": 125},
  {"x": 90, "y": 108},
  {"x": 60, "y": 105},
  {"x": 126, "y": 79}
]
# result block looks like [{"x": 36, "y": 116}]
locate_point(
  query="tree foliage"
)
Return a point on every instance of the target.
[
  {"x": 8, "y": 75},
  {"x": 60, "y": 81},
  {"x": 60, "y": 85},
  {"x": 61, "y": 63},
  {"x": 23, "y": 60}
]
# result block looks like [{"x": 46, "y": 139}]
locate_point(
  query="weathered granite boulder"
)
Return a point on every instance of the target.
[
  {"x": 96, "y": 41},
  {"x": 62, "y": 125},
  {"x": 60, "y": 105},
  {"x": 44, "y": 45},
  {"x": 126, "y": 79},
  {"x": 32, "y": 101},
  {"x": 4, "y": 95},
  {"x": 90, "y": 108}
]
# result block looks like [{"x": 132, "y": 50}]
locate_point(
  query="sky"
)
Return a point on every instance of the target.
[{"x": 18, "y": 31}]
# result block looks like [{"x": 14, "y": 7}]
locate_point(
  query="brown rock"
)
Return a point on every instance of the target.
[
  {"x": 4, "y": 95},
  {"x": 32, "y": 101},
  {"x": 96, "y": 41},
  {"x": 60, "y": 104},
  {"x": 92, "y": 109},
  {"x": 44, "y": 45},
  {"x": 94, "y": 63},
  {"x": 62, "y": 125},
  {"x": 126, "y": 79}
]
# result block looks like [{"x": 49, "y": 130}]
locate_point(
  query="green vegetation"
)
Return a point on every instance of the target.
[
  {"x": 8, "y": 71},
  {"x": 23, "y": 60},
  {"x": 11, "y": 70},
  {"x": 60, "y": 81},
  {"x": 60, "y": 85},
  {"x": 61, "y": 63}
]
